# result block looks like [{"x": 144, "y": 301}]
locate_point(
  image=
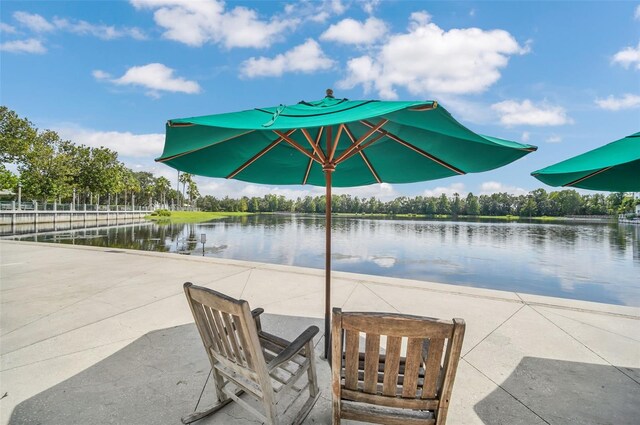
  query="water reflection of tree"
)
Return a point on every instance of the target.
[{"x": 618, "y": 235}]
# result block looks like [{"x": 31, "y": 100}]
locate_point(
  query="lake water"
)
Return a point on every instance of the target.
[{"x": 587, "y": 261}]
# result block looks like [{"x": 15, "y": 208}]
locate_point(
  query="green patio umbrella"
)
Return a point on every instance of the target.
[
  {"x": 614, "y": 167},
  {"x": 334, "y": 142}
]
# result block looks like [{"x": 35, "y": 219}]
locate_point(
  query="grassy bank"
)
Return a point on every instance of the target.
[{"x": 194, "y": 216}]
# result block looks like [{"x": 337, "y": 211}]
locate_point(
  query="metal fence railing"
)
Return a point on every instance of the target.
[{"x": 50, "y": 207}]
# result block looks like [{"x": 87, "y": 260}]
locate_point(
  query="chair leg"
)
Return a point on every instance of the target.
[
  {"x": 219, "y": 383},
  {"x": 314, "y": 391},
  {"x": 196, "y": 416},
  {"x": 311, "y": 372},
  {"x": 306, "y": 409}
]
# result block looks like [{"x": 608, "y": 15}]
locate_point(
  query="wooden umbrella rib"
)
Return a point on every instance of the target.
[
  {"x": 257, "y": 156},
  {"x": 306, "y": 174},
  {"x": 364, "y": 146},
  {"x": 316, "y": 148},
  {"x": 203, "y": 147},
  {"x": 295, "y": 145},
  {"x": 415, "y": 149},
  {"x": 372, "y": 129},
  {"x": 373, "y": 171},
  {"x": 347, "y": 130},
  {"x": 315, "y": 145},
  {"x": 335, "y": 142},
  {"x": 328, "y": 142},
  {"x": 588, "y": 176}
]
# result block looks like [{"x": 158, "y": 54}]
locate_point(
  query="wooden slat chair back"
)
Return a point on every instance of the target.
[
  {"x": 252, "y": 361},
  {"x": 392, "y": 368}
]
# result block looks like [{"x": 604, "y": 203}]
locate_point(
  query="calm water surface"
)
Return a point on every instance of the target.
[{"x": 587, "y": 261}]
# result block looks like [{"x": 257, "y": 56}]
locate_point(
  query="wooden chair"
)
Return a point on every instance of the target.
[
  {"x": 250, "y": 360},
  {"x": 409, "y": 383}
]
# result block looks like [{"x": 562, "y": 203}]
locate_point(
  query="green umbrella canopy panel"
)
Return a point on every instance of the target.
[
  {"x": 613, "y": 167},
  {"x": 365, "y": 142}
]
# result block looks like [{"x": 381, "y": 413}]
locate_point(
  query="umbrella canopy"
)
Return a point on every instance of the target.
[
  {"x": 614, "y": 167},
  {"x": 334, "y": 142}
]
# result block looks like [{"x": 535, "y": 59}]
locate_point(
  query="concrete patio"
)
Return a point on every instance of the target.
[{"x": 104, "y": 335}]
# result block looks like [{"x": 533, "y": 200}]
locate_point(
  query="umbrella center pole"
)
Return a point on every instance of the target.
[{"x": 328, "y": 170}]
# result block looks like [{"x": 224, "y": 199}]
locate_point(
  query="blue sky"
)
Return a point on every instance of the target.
[{"x": 564, "y": 76}]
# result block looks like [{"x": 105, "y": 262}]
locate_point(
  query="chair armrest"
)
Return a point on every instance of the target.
[
  {"x": 293, "y": 348},
  {"x": 255, "y": 313}
]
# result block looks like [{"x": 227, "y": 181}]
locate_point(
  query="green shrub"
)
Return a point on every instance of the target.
[{"x": 162, "y": 213}]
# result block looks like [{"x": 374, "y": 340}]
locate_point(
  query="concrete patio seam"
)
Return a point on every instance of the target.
[
  {"x": 350, "y": 295},
  {"x": 115, "y": 315},
  {"x": 506, "y": 391},
  {"x": 585, "y": 346},
  {"x": 66, "y": 354},
  {"x": 365, "y": 284},
  {"x": 265, "y": 305},
  {"x": 596, "y": 327},
  {"x": 452, "y": 292},
  {"x": 496, "y": 328},
  {"x": 246, "y": 282},
  {"x": 93, "y": 323},
  {"x": 117, "y": 285},
  {"x": 581, "y": 310}
]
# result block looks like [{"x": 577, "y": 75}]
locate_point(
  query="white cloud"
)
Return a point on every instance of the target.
[
  {"x": 100, "y": 75},
  {"x": 125, "y": 143},
  {"x": 350, "y": 31},
  {"x": 629, "y": 56},
  {"x": 6, "y": 28},
  {"x": 313, "y": 10},
  {"x": 526, "y": 113},
  {"x": 369, "y": 6},
  {"x": 636, "y": 15},
  {"x": 338, "y": 7},
  {"x": 39, "y": 24},
  {"x": 256, "y": 190},
  {"x": 307, "y": 58},
  {"x": 427, "y": 59},
  {"x": 627, "y": 101},
  {"x": 104, "y": 32},
  {"x": 23, "y": 46},
  {"x": 526, "y": 136},
  {"x": 382, "y": 191},
  {"x": 34, "y": 22},
  {"x": 491, "y": 187},
  {"x": 208, "y": 21},
  {"x": 554, "y": 138},
  {"x": 447, "y": 190},
  {"x": 467, "y": 109},
  {"x": 154, "y": 76}
]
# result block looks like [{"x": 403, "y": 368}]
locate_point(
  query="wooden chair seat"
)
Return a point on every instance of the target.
[{"x": 246, "y": 359}]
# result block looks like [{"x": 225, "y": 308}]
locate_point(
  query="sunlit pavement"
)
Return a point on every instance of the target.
[{"x": 104, "y": 335}]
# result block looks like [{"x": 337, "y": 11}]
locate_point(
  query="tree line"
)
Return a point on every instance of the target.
[
  {"x": 51, "y": 169},
  {"x": 536, "y": 203}
]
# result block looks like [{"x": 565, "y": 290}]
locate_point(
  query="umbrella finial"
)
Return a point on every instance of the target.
[{"x": 330, "y": 93}]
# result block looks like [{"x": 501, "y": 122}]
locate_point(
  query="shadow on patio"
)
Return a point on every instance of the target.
[
  {"x": 155, "y": 380},
  {"x": 563, "y": 392}
]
